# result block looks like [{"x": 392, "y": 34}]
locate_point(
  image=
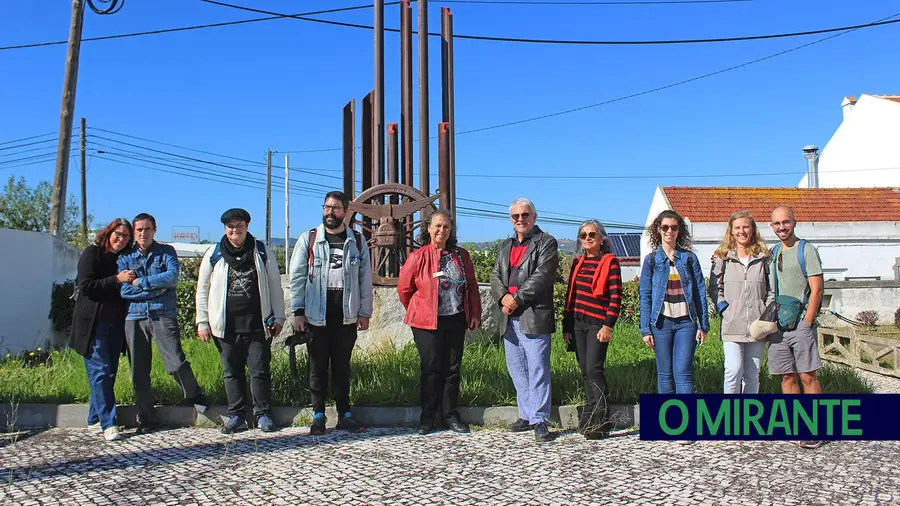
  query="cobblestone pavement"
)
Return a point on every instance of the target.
[
  {"x": 883, "y": 384},
  {"x": 395, "y": 466}
]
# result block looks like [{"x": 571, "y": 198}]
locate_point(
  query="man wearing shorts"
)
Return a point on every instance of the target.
[{"x": 795, "y": 353}]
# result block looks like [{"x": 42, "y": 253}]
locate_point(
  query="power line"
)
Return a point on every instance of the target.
[
  {"x": 611, "y": 2},
  {"x": 664, "y": 87},
  {"x": 572, "y": 42},
  {"x": 27, "y": 138},
  {"x": 242, "y": 183},
  {"x": 27, "y": 144},
  {"x": 186, "y": 28},
  {"x": 200, "y": 160},
  {"x": 632, "y": 95},
  {"x": 306, "y": 170}
]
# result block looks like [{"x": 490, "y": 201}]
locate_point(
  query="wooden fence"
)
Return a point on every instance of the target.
[{"x": 857, "y": 349}]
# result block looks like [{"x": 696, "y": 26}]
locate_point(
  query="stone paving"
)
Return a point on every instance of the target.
[{"x": 396, "y": 466}]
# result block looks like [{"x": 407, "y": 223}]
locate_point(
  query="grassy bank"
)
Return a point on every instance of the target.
[{"x": 391, "y": 376}]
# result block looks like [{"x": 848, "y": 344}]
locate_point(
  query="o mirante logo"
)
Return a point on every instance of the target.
[{"x": 769, "y": 417}]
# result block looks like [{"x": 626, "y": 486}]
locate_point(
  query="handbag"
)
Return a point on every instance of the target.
[{"x": 790, "y": 309}]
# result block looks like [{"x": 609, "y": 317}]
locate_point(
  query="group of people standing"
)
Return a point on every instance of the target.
[
  {"x": 126, "y": 297},
  {"x": 763, "y": 296}
]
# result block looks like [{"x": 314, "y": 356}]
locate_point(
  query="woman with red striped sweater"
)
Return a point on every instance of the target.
[{"x": 593, "y": 302}]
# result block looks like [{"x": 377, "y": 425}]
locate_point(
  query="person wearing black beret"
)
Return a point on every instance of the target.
[{"x": 240, "y": 307}]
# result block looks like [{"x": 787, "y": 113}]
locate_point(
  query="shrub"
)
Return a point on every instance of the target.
[
  {"x": 897, "y": 317},
  {"x": 186, "y": 292},
  {"x": 62, "y": 305},
  {"x": 631, "y": 303},
  {"x": 868, "y": 317}
]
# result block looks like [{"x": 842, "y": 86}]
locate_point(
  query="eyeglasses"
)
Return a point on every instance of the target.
[
  {"x": 332, "y": 208},
  {"x": 124, "y": 235},
  {"x": 585, "y": 235},
  {"x": 524, "y": 216},
  {"x": 666, "y": 228}
]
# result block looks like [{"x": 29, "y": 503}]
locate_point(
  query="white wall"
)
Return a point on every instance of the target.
[
  {"x": 849, "y": 298},
  {"x": 865, "y": 140},
  {"x": 34, "y": 261}
]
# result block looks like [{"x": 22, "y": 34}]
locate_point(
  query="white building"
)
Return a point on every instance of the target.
[
  {"x": 863, "y": 152},
  {"x": 189, "y": 249},
  {"x": 856, "y": 230}
]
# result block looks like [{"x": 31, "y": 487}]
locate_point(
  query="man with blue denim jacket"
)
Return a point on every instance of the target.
[
  {"x": 153, "y": 313},
  {"x": 331, "y": 292}
]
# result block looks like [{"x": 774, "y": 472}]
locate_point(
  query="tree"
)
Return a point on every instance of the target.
[{"x": 24, "y": 208}]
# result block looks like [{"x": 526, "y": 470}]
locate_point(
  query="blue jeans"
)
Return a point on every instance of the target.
[
  {"x": 101, "y": 367},
  {"x": 675, "y": 342},
  {"x": 528, "y": 362}
]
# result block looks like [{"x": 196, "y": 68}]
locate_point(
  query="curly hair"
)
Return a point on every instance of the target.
[
  {"x": 425, "y": 235},
  {"x": 684, "y": 236},
  {"x": 730, "y": 244}
]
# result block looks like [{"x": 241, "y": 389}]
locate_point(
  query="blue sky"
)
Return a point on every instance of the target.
[{"x": 281, "y": 85}]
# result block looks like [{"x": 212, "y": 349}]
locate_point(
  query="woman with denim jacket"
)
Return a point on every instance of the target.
[
  {"x": 739, "y": 285},
  {"x": 674, "y": 317}
]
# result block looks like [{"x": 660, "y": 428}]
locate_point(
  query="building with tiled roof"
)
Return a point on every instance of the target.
[
  {"x": 863, "y": 151},
  {"x": 856, "y": 230}
]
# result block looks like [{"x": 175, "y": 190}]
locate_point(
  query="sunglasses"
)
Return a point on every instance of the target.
[
  {"x": 666, "y": 228},
  {"x": 585, "y": 235},
  {"x": 524, "y": 216}
]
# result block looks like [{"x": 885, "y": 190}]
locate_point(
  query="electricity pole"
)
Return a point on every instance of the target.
[
  {"x": 58, "y": 201},
  {"x": 84, "y": 221},
  {"x": 269, "y": 197}
]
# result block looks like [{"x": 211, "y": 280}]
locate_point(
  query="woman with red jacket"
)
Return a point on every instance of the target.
[
  {"x": 437, "y": 287},
  {"x": 593, "y": 302}
]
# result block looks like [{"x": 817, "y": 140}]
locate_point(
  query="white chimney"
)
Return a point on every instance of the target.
[
  {"x": 812, "y": 170},
  {"x": 847, "y": 105}
]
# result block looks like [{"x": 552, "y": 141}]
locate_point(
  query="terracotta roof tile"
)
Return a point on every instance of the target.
[
  {"x": 892, "y": 98},
  {"x": 716, "y": 204}
]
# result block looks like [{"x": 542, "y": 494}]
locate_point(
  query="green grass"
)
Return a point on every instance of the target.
[{"x": 390, "y": 376}]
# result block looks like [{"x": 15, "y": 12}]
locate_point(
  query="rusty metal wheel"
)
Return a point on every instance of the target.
[{"x": 390, "y": 223}]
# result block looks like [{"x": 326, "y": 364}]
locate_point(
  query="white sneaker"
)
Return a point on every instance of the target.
[
  {"x": 112, "y": 434},
  {"x": 96, "y": 428}
]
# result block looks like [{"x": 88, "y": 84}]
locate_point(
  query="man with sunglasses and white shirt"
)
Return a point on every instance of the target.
[
  {"x": 798, "y": 284},
  {"x": 522, "y": 283}
]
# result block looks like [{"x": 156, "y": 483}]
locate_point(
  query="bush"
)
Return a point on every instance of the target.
[
  {"x": 897, "y": 317},
  {"x": 186, "y": 292},
  {"x": 631, "y": 303},
  {"x": 868, "y": 317},
  {"x": 62, "y": 305}
]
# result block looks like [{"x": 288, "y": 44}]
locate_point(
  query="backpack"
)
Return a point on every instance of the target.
[
  {"x": 217, "y": 253},
  {"x": 312, "y": 241}
]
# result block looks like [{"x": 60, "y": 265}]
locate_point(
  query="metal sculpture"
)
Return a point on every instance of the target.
[{"x": 390, "y": 211}]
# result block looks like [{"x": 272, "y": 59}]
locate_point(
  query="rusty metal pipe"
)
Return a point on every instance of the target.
[
  {"x": 424, "y": 162},
  {"x": 378, "y": 106},
  {"x": 349, "y": 148},
  {"x": 447, "y": 100},
  {"x": 406, "y": 112},
  {"x": 444, "y": 163}
]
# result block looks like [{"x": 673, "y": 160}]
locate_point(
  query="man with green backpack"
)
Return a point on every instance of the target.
[{"x": 798, "y": 283}]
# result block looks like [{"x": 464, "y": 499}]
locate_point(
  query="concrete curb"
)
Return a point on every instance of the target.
[{"x": 75, "y": 415}]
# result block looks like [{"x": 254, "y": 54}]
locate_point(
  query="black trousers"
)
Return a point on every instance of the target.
[
  {"x": 591, "y": 355},
  {"x": 255, "y": 352},
  {"x": 440, "y": 354},
  {"x": 332, "y": 344}
]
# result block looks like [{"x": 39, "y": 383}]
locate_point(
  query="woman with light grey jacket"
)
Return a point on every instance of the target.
[{"x": 739, "y": 280}]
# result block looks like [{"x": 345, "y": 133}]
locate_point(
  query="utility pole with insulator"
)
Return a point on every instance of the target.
[
  {"x": 84, "y": 220},
  {"x": 287, "y": 214},
  {"x": 269, "y": 197},
  {"x": 60, "y": 177}
]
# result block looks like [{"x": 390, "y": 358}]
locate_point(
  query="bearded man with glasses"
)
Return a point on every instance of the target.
[
  {"x": 331, "y": 293},
  {"x": 522, "y": 283}
]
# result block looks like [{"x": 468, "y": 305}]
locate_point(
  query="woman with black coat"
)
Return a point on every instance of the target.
[{"x": 98, "y": 323}]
